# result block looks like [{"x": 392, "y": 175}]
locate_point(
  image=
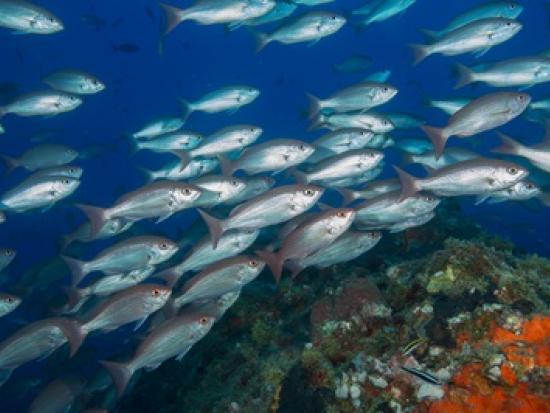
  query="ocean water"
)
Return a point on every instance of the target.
[{"x": 149, "y": 81}]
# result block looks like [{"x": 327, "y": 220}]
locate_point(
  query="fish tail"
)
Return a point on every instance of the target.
[
  {"x": 169, "y": 276},
  {"x": 430, "y": 34},
  {"x": 75, "y": 296},
  {"x": 262, "y": 41},
  {"x": 77, "y": 268},
  {"x": 318, "y": 123},
  {"x": 273, "y": 261},
  {"x": 170, "y": 309},
  {"x": 174, "y": 16},
  {"x": 187, "y": 108},
  {"x": 96, "y": 216},
  {"x": 409, "y": 184},
  {"x": 74, "y": 333},
  {"x": 347, "y": 195},
  {"x": 226, "y": 165},
  {"x": 420, "y": 51},
  {"x": 147, "y": 174},
  {"x": 294, "y": 268},
  {"x": 465, "y": 76},
  {"x": 215, "y": 226},
  {"x": 314, "y": 105},
  {"x": 3, "y": 111},
  {"x": 509, "y": 146},
  {"x": 121, "y": 374},
  {"x": 11, "y": 163},
  {"x": 5, "y": 375},
  {"x": 301, "y": 177},
  {"x": 184, "y": 157},
  {"x": 439, "y": 138},
  {"x": 66, "y": 240}
]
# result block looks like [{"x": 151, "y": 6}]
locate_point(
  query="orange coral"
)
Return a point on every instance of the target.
[{"x": 534, "y": 331}]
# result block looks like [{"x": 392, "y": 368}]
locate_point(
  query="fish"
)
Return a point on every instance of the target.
[
  {"x": 217, "y": 189},
  {"x": 74, "y": 82},
  {"x": 254, "y": 186},
  {"x": 43, "y": 103},
  {"x": 387, "y": 209},
  {"x": 422, "y": 375},
  {"x": 38, "y": 193},
  {"x": 169, "y": 142},
  {"x": 521, "y": 191},
  {"x": 58, "y": 396},
  {"x": 482, "y": 114},
  {"x": 226, "y": 99},
  {"x": 543, "y": 104},
  {"x": 339, "y": 141},
  {"x": 159, "y": 200},
  {"x": 131, "y": 254},
  {"x": 450, "y": 156},
  {"x": 405, "y": 121},
  {"x": 24, "y": 17},
  {"x": 206, "y": 12},
  {"x": 411, "y": 222},
  {"x": 69, "y": 171},
  {"x": 362, "y": 96},
  {"x": 225, "y": 276},
  {"x": 229, "y": 139},
  {"x": 491, "y": 9},
  {"x": 109, "y": 229},
  {"x": 282, "y": 10},
  {"x": 356, "y": 180},
  {"x": 381, "y": 10},
  {"x": 476, "y": 37},
  {"x": 7, "y": 255},
  {"x": 370, "y": 191},
  {"x": 173, "y": 338},
  {"x": 309, "y": 27},
  {"x": 473, "y": 177},
  {"x": 272, "y": 207},
  {"x": 107, "y": 286},
  {"x": 274, "y": 155},
  {"x": 346, "y": 248},
  {"x": 203, "y": 253},
  {"x": 38, "y": 339},
  {"x": 538, "y": 155},
  {"x": 344, "y": 165},
  {"x": 309, "y": 237},
  {"x": 410, "y": 347},
  {"x": 218, "y": 307},
  {"x": 374, "y": 122},
  {"x": 43, "y": 156},
  {"x": 134, "y": 304},
  {"x": 159, "y": 126},
  {"x": 414, "y": 146},
  {"x": 449, "y": 106},
  {"x": 353, "y": 64},
  {"x": 522, "y": 71},
  {"x": 126, "y": 48},
  {"x": 172, "y": 171},
  {"x": 8, "y": 303}
]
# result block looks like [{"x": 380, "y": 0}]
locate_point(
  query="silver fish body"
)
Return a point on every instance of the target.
[
  {"x": 159, "y": 127},
  {"x": 26, "y": 17},
  {"x": 74, "y": 81},
  {"x": 8, "y": 303},
  {"x": 172, "y": 171},
  {"x": 173, "y": 141},
  {"x": 371, "y": 121},
  {"x": 229, "y": 139},
  {"x": 228, "y": 98},
  {"x": 43, "y": 156},
  {"x": 46, "y": 103},
  {"x": 217, "y": 189}
]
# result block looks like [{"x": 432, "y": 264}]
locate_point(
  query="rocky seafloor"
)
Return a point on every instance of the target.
[{"x": 334, "y": 340}]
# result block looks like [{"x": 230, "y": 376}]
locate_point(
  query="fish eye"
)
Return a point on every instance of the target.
[
  {"x": 66, "y": 181},
  {"x": 249, "y": 231},
  {"x": 429, "y": 198},
  {"x": 252, "y": 130},
  {"x": 512, "y": 6},
  {"x": 371, "y": 154},
  {"x": 155, "y": 292},
  {"x": 530, "y": 186},
  {"x": 164, "y": 246},
  {"x": 8, "y": 253},
  {"x": 385, "y": 122},
  {"x": 187, "y": 191},
  {"x": 512, "y": 171},
  {"x": 308, "y": 192},
  {"x": 341, "y": 214},
  {"x": 385, "y": 89},
  {"x": 203, "y": 321},
  {"x": 10, "y": 300},
  {"x": 508, "y": 24},
  {"x": 302, "y": 147},
  {"x": 333, "y": 17},
  {"x": 252, "y": 263},
  {"x": 234, "y": 182}
]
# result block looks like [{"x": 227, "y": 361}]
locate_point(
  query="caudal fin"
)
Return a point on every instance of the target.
[
  {"x": 75, "y": 297},
  {"x": 10, "y": 163},
  {"x": 77, "y": 268},
  {"x": 262, "y": 41},
  {"x": 120, "y": 373},
  {"x": 509, "y": 146},
  {"x": 409, "y": 184},
  {"x": 314, "y": 105},
  {"x": 73, "y": 332},
  {"x": 184, "y": 157},
  {"x": 169, "y": 276},
  {"x": 96, "y": 216},
  {"x": 439, "y": 138},
  {"x": 147, "y": 174},
  {"x": 187, "y": 108},
  {"x": 347, "y": 194},
  {"x": 214, "y": 226},
  {"x": 226, "y": 165},
  {"x": 294, "y": 267},
  {"x": 420, "y": 51},
  {"x": 430, "y": 34},
  {"x": 301, "y": 177},
  {"x": 465, "y": 76},
  {"x": 274, "y": 263},
  {"x": 174, "y": 16}
]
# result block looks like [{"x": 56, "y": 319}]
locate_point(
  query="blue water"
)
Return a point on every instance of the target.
[{"x": 197, "y": 59}]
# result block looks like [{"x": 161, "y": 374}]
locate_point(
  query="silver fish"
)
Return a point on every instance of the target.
[
  {"x": 344, "y": 165},
  {"x": 356, "y": 180},
  {"x": 478, "y": 36},
  {"x": 159, "y": 200},
  {"x": 109, "y": 229},
  {"x": 218, "y": 279},
  {"x": 411, "y": 222},
  {"x": 254, "y": 186},
  {"x": 69, "y": 171},
  {"x": 381, "y": 10},
  {"x": 472, "y": 177},
  {"x": 482, "y": 114},
  {"x": 228, "y": 98},
  {"x": 374, "y": 122},
  {"x": 414, "y": 146},
  {"x": 41, "y": 157},
  {"x": 275, "y": 155},
  {"x": 173, "y": 171},
  {"x": 217, "y": 189},
  {"x": 6, "y": 257},
  {"x": 8, "y": 303},
  {"x": 131, "y": 254},
  {"x": 46, "y": 103},
  {"x": 310, "y": 27},
  {"x": 538, "y": 155},
  {"x": 36, "y": 193},
  {"x": 159, "y": 127},
  {"x": 370, "y": 191},
  {"x": 173, "y": 338},
  {"x": 520, "y": 191},
  {"x": 282, "y": 10},
  {"x": 216, "y": 12},
  {"x": 26, "y": 17},
  {"x": 309, "y": 237},
  {"x": 343, "y": 140},
  {"x": 521, "y": 71},
  {"x": 449, "y": 106},
  {"x": 449, "y": 157},
  {"x": 58, "y": 396},
  {"x": 74, "y": 81},
  {"x": 272, "y": 207},
  {"x": 173, "y": 141}
]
